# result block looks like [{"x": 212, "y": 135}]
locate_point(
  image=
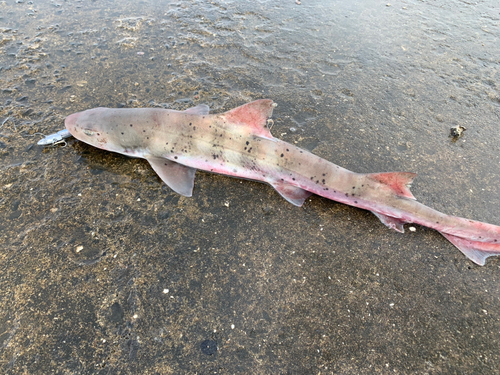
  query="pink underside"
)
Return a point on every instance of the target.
[{"x": 209, "y": 166}]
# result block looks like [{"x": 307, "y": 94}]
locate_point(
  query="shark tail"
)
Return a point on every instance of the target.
[
  {"x": 476, "y": 240},
  {"x": 476, "y": 251}
]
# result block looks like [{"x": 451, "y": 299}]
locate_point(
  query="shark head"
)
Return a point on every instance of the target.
[
  {"x": 99, "y": 127},
  {"x": 88, "y": 127}
]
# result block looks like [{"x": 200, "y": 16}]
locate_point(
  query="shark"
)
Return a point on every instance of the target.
[{"x": 239, "y": 143}]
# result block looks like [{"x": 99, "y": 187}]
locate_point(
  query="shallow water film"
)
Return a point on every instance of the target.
[{"x": 105, "y": 270}]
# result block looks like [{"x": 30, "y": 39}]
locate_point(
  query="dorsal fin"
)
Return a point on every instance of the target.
[
  {"x": 254, "y": 116},
  {"x": 398, "y": 182},
  {"x": 201, "y": 109}
]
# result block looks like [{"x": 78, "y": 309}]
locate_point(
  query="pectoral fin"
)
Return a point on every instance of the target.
[
  {"x": 292, "y": 194},
  {"x": 177, "y": 176},
  {"x": 391, "y": 222}
]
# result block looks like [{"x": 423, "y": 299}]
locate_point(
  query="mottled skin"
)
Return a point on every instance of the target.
[{"x": 238, "y": 143}]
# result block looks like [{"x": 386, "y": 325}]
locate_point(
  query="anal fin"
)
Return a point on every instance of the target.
[
  {"x": 177, "y": 176},
  {"x": 391, "y": 222},
  {"x": 474, "y": 250},
  {"x": 292, "y": 194}
]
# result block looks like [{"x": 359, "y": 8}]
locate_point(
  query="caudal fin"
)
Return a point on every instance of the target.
[{"x": 474, "y": 250}]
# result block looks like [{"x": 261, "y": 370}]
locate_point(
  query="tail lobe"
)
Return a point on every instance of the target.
[{"x": 474, "y": 250}]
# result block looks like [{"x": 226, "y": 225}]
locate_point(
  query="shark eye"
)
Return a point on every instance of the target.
[{"x": 88, "y": 132}]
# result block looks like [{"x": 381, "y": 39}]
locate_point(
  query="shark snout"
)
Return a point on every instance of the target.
[{"x": 70, "y": 121}]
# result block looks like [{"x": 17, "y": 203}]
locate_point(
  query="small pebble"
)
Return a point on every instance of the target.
[{"x": 457, "y": 131}]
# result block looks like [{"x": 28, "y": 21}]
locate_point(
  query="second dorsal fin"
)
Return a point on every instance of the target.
[{"x": 398, "y": 182}]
